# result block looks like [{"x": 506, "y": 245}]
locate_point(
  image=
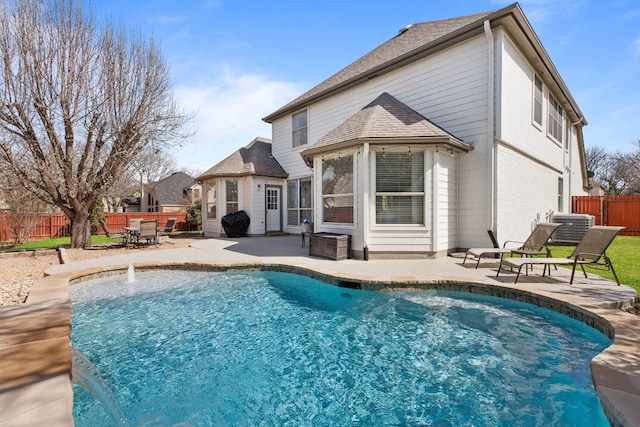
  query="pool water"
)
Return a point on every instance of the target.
[{"x": 278, "y": 349}]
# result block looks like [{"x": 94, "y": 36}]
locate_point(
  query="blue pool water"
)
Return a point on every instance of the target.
[{"x": 277, "y": 349}]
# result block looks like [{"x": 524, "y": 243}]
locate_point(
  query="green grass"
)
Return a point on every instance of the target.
[
  {"x": 624, "y": 253},
  {"x": 95, "y": 240}
]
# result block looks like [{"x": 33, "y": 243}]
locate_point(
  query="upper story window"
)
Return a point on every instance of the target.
[
  {"x": 299, "y": 125},
  {"x": 537, "y": 100},
  {"x": 400, "y": 188},
  {"x": 556, "y": 120}
]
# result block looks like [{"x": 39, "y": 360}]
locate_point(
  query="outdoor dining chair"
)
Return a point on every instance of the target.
[
  {"x": 168, "y": 228},
  {"x": 113, "y": 235},
  {"x": 591, "y": 250},
  {"x": 148, "y": 231}
]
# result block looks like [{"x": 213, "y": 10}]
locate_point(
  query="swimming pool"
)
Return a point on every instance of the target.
[{"x": 266, "y": 348}]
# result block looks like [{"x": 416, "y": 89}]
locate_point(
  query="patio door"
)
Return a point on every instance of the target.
[{"x": 273, "y": 203}]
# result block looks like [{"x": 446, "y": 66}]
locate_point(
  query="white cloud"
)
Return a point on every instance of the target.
[{"x": 228, "y": 114}]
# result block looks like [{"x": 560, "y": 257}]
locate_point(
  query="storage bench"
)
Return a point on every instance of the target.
[{"x": 330, "y": 245}]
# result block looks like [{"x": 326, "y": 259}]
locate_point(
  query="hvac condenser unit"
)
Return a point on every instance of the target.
[{"x": 573, "y": 227}]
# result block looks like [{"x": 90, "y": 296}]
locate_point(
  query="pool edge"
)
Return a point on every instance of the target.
[{"x": 39, "y": 392}]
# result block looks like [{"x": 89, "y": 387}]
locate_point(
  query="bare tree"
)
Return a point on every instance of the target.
[
  {"x": 79, "y": 101},
  {"x": 150, "y": 165},
  {"x": 25, "y": 211},
  {"x": 618, "y": 172},
  {"x": 597, "y": 158}
]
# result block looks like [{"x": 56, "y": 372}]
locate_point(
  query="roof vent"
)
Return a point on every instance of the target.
[{"x": 404, "y": 29}]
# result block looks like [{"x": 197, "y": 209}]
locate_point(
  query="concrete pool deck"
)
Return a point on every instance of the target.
[{"x": 34, "y": 350}]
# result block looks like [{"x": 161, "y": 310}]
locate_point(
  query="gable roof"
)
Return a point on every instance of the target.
[
  {"x": 171, "y": 190},
  {"x": 254, "y": 159},
  {"x": 420, "y": 40},
  {"x": 385, "y": 120}
]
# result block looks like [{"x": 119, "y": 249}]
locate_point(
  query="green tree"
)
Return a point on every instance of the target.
[{"x": 194, "y": 215}]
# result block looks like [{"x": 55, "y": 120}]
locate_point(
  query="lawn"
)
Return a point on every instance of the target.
[
  {"x": 64, "y": 241},
  {"x": 624, "y": 253}
]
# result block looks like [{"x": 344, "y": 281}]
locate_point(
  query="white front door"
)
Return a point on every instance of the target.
[{"x": 274, "y": 214}]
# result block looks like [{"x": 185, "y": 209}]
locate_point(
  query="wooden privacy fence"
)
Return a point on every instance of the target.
[
  {"x": 623, "y": 211},
  {"x": 55, "y": 225}
]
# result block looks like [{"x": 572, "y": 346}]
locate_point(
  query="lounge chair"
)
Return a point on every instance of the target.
[
  {"x": 168, "y": 228},
  {"x": 114, "y": 235},
  {"x": 535, "y": 245},
  {"x": 589, "y": 251},
  {"x": 148, "y": 231}
]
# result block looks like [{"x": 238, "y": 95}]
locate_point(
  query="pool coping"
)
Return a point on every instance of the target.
[{"x": 35, "y": 358}]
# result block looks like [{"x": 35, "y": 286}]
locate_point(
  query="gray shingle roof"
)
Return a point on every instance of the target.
[
  {"x": 254, "y": 159},
  {"x": 416, "y": 37},
  {"x": 386, "y": 120},
  {"x": 171, "y": 190},
  {"x": 385, "y": 117}
]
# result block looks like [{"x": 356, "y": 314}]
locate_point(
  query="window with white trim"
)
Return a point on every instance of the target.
[
  {"x": 299, "y": 128},
  {"x": 556, "y": 119},
  {"x": 211, "y": 200},
  {"x": 560, "y": 194},
  {"x": 337, "y": 190},
  {"x": 400, "y": 188},
  {"x": 232, "y": 196},
  {"x": 537, "y": 100},
  {"x": 299, "y": 201}
]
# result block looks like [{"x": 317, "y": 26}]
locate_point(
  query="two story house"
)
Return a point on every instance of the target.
[{"x": 447, "y": 130}]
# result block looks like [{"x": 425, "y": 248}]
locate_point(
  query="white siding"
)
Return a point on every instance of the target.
[
  {"x": 447, "y": 203},
  {"x": 516, "y": 113},
  {"x": 527, "y": 193},
  {"x": 449, "y": 89}
]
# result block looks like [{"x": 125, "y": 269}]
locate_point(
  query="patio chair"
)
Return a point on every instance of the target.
[
  {"x": 535, "y": 245},
  {"x": 148, "y": 231},
  {"x": 135, "y": 222},
  {"x": 168, "y": 228},
  {"x": 589, "y": 251},
  {"x": 114, "y": 235}
]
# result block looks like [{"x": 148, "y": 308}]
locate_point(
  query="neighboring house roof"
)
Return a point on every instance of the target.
[
  {"x": 385, "y": 120},
  {"x": 171, "y": 191},
  {"x": 420, "y": 40},
  {"x": 254, "y": 159}
]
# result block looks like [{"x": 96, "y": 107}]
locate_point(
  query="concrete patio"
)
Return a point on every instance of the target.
[{"x": 34, "y": 351}]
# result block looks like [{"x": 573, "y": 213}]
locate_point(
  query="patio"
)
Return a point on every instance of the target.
[{"x": 38, "y": 332}]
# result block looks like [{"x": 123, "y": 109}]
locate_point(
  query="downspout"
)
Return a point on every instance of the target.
[
  {"x": 570, "y": 171},
  {"x": 491, "y": 140}
]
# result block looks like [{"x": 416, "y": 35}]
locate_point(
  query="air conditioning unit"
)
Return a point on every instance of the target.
[{"x": 573, "y": 227}]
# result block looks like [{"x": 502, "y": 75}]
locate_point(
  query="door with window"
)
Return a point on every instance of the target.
[{"x": 273, "y": 210}]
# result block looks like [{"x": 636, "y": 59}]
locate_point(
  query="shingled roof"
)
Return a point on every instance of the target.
[
  {"x": 423, "y": 39},
  {"x": 171, "y": 190},
  {"x": 254, "y": 159},
  {"x": 385, "y": 120}
]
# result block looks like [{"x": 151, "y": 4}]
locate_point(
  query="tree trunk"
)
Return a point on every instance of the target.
[{"x": 80, "y": 230}]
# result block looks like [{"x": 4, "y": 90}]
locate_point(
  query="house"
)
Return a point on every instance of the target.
[
  {"x": 174, "y": 193},
  {"x": 447, "y": 130},
  {"x": 250, "y": 179}
]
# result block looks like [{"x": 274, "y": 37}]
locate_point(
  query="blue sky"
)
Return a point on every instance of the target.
[{"x": 235, "y": 61}]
